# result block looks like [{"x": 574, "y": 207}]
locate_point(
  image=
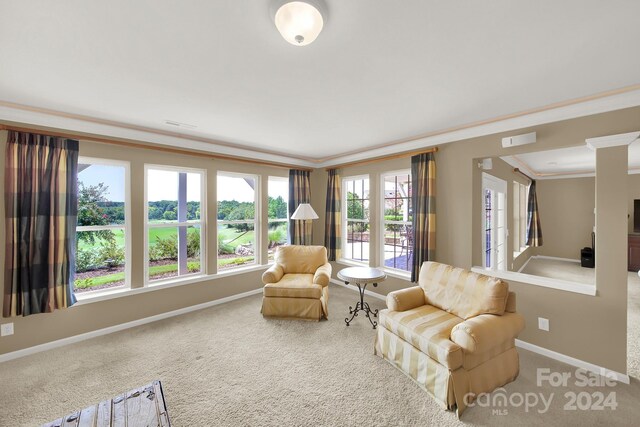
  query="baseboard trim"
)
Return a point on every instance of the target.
[
  {"x": 116, "y": 328},
  {"x": 599, "y": 370},
  {"x": 525, "y": 263},
  {"x": 366, "y": 291}
]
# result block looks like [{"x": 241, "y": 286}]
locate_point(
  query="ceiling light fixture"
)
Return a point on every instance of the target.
[{"x": 299, "y": 22}]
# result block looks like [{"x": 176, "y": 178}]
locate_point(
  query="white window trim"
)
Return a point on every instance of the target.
[
  {"x": 257, "y": 215},
  {"x": 343, "y": 214},
  {"x": 269, "y": 220},
  {"x": 499, "y": 185},
  {"x": 403, "y": 274},
  {"x": 127, "y": 217},
  {"x": 202, "y": 222}
]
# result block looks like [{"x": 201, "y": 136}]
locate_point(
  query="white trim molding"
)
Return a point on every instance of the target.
[
  {"x": 612, "y": 140},
  {"x": 116, "y": 328},
  {"x": 545, "y": 282},
  {"x": 599, "y": 370}
]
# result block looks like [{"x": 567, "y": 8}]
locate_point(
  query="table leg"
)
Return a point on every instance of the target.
[{"x": 362, "y": 306}]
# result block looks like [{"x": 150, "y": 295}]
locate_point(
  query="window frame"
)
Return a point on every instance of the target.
[
  {"x": 384, "y": 222},
  {"x": 345, "y": 221},
  {"x": 127, "y": 217},
  {"x": 257, "y": 219},
  {"x": 202, "y": 222},
  {"x": 269, "y": 220}
]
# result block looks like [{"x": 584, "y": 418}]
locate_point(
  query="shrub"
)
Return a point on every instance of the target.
[
  {"x": 110, "y": 253},
  {"x": 83, "y": 283},
  {"x": 277, "y": 236},
  {"x": 224, "y": 248},
  {"x": 193, "y": 244},
  {"x": 86, "y": 260},
  {"x": 166, "y": 248}
]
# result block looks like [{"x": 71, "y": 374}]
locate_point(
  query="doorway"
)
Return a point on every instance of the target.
[{"x": 494, "y": 217}]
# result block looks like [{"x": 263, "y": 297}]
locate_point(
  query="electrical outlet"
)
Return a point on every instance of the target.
[
  {"x": 6, "y": 329},
  {"x": 543, "y": 324}
]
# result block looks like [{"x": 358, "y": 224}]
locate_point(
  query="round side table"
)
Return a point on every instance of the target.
[{"x": 361, "y": 276}]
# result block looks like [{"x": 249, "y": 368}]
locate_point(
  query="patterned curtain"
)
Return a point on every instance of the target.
[
  {"x": 333, "y": 226},
  {"x": 41, "y": 196},
  {"x": 423, "y": 199},
  {"x": 299, "y": 192},
  {"x": 534, "y": 231}
]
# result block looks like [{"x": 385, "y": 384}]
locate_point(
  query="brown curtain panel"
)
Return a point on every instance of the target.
[
  {"x": 333, "y": 218},
  {"x": 41, "y": 198},
  {"x": 423, "y": 200},
  {"x": 299, "y": 192},
  {"x": 534, "y": 230}
]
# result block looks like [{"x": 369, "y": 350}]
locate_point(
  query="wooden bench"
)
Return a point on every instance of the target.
[{"x": 141, "y": 407}]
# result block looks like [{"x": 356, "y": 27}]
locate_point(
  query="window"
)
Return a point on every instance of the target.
[
  {"x": 397, "y": 232},
  {"x": 237, "y": 224},
  {"x": 494, "y": 234},
  {"x": 175, "y": 212},
  {"x": 520, "y": 200},
  {"x": 102, "y": 240},
  {"x": 355, "y": 219},
  {"x": 278, "y": 213}
]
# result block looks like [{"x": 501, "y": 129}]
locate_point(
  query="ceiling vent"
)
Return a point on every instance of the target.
[{"x": 179, "y": 124}]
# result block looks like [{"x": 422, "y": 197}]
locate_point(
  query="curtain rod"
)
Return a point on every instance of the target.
[
  {"x": 383, "y": 158},
  {"x": 516, "y": 170},
  {"x": 122, "y": 143}
]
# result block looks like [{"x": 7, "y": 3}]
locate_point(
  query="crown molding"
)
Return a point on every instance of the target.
[{"x": 603, "y": 102}]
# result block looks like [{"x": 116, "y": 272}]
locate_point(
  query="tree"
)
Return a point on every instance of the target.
[
  {"x": 170, "y": 215},
  {"x": 277, "y": 207},
  {"x": 90, "y": 213}
]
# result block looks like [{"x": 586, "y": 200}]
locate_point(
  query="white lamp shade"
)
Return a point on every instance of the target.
[
  {"x": 304, "y": 211},
  {"x": 299, "y": 22}
]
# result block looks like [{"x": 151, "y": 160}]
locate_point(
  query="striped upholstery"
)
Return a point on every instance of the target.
[
  {"x": 427, "y": 328},
  {"x": 462, "y": 292},
  {"x": 424, "y": 334},
  {"x": 294, "y": 286},
  {"x": 429, "y": 374}
]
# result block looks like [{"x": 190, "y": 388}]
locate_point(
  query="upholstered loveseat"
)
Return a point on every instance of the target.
[
  {"x": 297, "y": 284},
  {"x": 454, "y": 334}
]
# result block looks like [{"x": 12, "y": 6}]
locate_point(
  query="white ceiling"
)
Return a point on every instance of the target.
[
  {"x": 379, "y": 72},
  {"x": 568, "y": 162}
]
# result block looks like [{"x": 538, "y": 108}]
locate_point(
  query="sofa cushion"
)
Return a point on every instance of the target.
[
  {"x": 294, "y": 286},
  {"x": 427, "y": 328},
  {"x": 462, "y": 292},
  {"x": 301, "y": 259}
]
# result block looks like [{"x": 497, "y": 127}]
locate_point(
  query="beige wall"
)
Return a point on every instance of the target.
[
  {"x": 567, "y": 216},
  {"x": 589, "y": 328},
  {"x": 580, "y": 325},
  {"x": 42, "y": 328}
]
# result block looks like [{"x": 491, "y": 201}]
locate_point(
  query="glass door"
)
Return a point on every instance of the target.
[{"x": 494, "y": 235}]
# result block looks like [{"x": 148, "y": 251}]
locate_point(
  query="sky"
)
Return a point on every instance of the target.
[
  {"x": 163, "y": 185},
  {"x": 111, "y": 176}
]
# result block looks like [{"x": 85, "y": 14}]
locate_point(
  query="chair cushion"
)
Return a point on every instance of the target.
[
  {"x": 427, "y": 328},
  {"x": 462, "y": 292},
  {"x": 294, "y": 286},
  {"x": 301, "y": 259}
]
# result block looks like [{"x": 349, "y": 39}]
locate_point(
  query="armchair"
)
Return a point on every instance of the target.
[{"x": 297, "y": 284}]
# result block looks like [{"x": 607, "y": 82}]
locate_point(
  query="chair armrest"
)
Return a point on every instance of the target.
[
  {"x": 323, "y": 275},
  {"x": 481, "y": 333},
  {"x": 273, "y": 274},
  {"x": 406, "y": 299}
]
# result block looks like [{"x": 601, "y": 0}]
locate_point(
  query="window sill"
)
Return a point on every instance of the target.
[
  {"x": 397, "y": 274},
  {"x": 91, "y": 297},
  {"x": 352, "y": 263},
  {"x": 545, "y": 282}
]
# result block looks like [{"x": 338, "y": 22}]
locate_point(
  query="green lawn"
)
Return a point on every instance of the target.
[
  {"x": 154, "y": 233},
  {"x": 235, "y": 237},
  {"x": 156, "y": 270}
]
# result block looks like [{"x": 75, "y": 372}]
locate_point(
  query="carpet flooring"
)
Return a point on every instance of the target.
[{"x": 227, "y": 366}]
